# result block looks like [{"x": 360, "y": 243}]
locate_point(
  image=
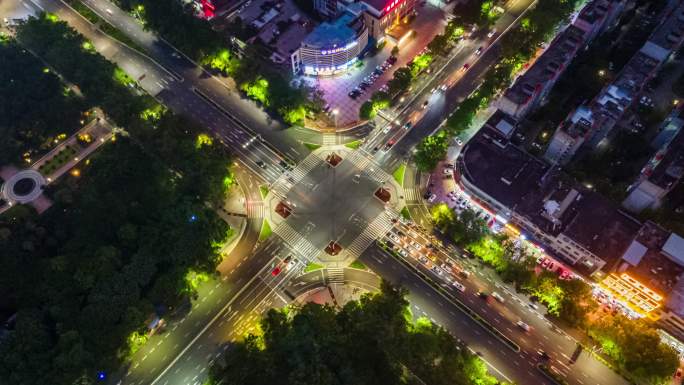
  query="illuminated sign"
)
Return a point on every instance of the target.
[
  {"x": 393, "y": 4},
  {"x": 336, "y": 50},
  {"x": 637, "y": 295},
  {"x": 329, "y": 70}
]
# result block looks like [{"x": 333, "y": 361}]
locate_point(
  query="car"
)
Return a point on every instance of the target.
[
  {"x": 423, "y": 260},
  {"x": 543, "y": 355},
  {"x": 678, "y": 373},
  {"x": 482, "y": 295},
  {"x": 459, "y": 286},
  {"x": 403, "y": 253},
  {"x": 491, "y": 33},
  {"x": 459, "y": 141},
  {"x": 389, "y": 145},
  {"x": 407, "y": 126},
  {"x": 447, "y": 171},
  {"x": 451, "y": 166},
  {"x": 276, "y": 271},
  {"x": 109, "y": 11},
  {"x": 261, "y": 164},
  {"x": 464, "y": 273},
  {"x": 438, "y": 270},
  {"x": 443, "y": 87},
  {"x": 375, "y": 149},
  {"x": 432, "y": 198},
  {"x": 425, "y": 104},
  {"x": 394, "y": 237},
  {"x": 427, "y": 194},
  {"x": 523, "y": 326},
  {"x": 498, "y": 297},
  {"x": 363, "y": 86},
  {"x": 465, "y": 67},
  {"x": 353, "y": 94},
  {"x": 290, "y": 262},
  {"x": 478, "y": 51},
  {"x": 533, "y": 305}
]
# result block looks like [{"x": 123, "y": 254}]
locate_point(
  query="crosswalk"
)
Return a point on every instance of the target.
[
  {"x": 412, "y": 194},
  {"x": 375, "y": 230},
  {"x": 299, "y": 244},
  {"x": 255, "y": 209},
  {"x": 329, "y": 139},
  {"x": 362, "y": 160},
  {"x": 291, "y": 178},
  {"x": 335, "y": 274}
]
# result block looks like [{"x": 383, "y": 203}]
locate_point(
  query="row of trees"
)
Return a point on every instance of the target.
[
  {"x": 125, "y": 240},
  {"x": 36, "y": 107},
  {"x": 518, "y": 46},
  {"x": 196, "y": 38},
  {"x": 369, "y": 341},
  {"x": 634, "y": 345},
  {"x": 399, "y": 84}
]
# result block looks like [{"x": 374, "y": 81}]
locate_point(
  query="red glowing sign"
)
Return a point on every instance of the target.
[
  {"x": 392, "y": 5},
  {"x": 208, "y": 9}
]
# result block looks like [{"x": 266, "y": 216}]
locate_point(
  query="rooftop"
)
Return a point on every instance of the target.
[
  {"x": 551, "y": 63},
  {"x": 335, "y": 34},
  {"x": 671, "y": 31},
  {"x": 666, "y": 168},
  {"x": 650, "y": 266}
]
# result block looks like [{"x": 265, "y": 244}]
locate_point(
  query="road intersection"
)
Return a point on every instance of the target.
[{"x": 333, "y": 211}]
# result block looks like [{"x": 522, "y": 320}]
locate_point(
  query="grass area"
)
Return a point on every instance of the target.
[
  {"x": 103, "y": 25},
  {"x": 358, "y": 265},
  {"x": 265, "y": 231},
  {"x": 311, "y": 266},
  {"x": 405, "y": 213},
  {"x": 57, "y": 161},
  {"x": 354, "y": 145},
  {"x": 263, "y": 190},
  {"x": 399, "y": 174},
  {"x": 312, "y": 146}
]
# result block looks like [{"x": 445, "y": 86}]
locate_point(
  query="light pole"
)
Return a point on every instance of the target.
[{"x": 335, "y": 112}]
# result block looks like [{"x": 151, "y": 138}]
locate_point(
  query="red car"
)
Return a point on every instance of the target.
[
  {"x": 276, "y": 271},
  {"x": 465, "y": 67}
]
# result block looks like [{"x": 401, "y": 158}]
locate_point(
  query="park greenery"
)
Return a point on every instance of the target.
[
  {"x": 105, "y": 259},
  {"x": 370, "y": 341},
  {"x": 517, "y": 47},
  {"x": 633, "y": 345},
  {"x": 36, "y": 107}
]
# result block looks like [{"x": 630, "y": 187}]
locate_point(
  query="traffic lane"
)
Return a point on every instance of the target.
[
  {"x": 234, "y": 323},
  {"x": 514, "y": 366},
  {"x": 171, "y": 94},
  {"x": 219, "y": 88},
  {"x": 543, "y": 336},
  {"x": 182, "y": 330}
]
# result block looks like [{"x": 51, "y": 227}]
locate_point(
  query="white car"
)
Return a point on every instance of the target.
[
  {"x": 432, "y": 198},
  {"x": 403, "y": 253},
  {"x": 447, "y": 171},
  {"x": 459, "y": 286},
  {"x": 523, "y": 326},
  {"x": 492, "y": 33},
  {"x": 459, "y": 141},
  {"x": 386, "y": 129},
  {"x": 394, "y": 237}
]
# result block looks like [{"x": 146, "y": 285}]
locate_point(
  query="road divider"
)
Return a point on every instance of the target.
[{"x": 454, "y": 300}]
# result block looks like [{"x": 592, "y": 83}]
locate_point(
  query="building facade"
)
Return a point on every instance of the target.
[{"x": 332, "y": 48}]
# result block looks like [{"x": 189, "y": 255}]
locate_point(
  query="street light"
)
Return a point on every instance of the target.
[{"x": 335, "y": 112}]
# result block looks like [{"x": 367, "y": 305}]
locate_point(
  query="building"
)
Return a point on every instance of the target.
[
  {"x": 604, "y": 112},
  {"x": 570, "y": 221},
  {"x": 332, "y": 47},
  {"x": 326, "y": 8},
  {"x": 664, "y": 170},
  {"x": 382, "y": 15},
  {"x": 531, "y": 88}
]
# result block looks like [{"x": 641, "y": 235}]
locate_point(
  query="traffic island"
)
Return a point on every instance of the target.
[
  {"x": 283, "y": 210},
  {"x": 333, "y": 248},
  {"x": 333, "y": 159},
  {"x": 383, "y": 195}
]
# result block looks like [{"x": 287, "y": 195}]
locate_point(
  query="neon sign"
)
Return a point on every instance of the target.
[{"x": 393, "y": 4}]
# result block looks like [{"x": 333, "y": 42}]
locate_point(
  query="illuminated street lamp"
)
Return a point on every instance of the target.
[{"x": 335, "y": 112}]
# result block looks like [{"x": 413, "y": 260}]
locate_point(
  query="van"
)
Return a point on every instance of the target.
[{"x": 498, "y": 297}]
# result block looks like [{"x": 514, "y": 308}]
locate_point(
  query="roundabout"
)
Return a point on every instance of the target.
[{"x": 23, "y": 187}]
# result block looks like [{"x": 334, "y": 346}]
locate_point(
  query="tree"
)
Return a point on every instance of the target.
[
  {"x": 369, "y": 341},
  {"x": 440, "y": 45},
  {"x": 400, "y": 82},
  {"x": 257, "y": 89},
  {"x": 431, "y": 150}
]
